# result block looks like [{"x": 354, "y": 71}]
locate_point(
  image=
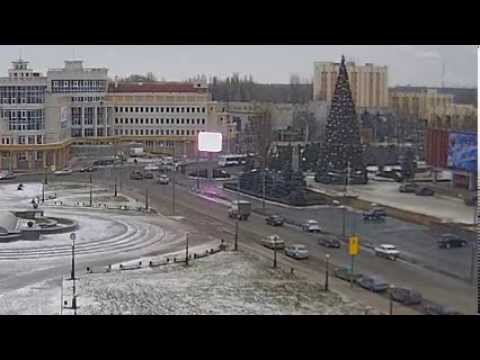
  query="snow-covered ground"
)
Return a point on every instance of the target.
[
  {"x": 386, "y": 193},
  {"x": 224, "y": 283}
]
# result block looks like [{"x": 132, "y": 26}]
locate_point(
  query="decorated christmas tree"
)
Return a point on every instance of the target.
[{"x": 342, "y": 145}]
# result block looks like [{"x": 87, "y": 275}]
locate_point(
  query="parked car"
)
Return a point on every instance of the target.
[
  {"x": 437, "y": 309},
  {"x": 424, "y": 191},
  {"x": 52, "y": 196},
  {"x": 448, "y": 241},
  {"x": 136, "y": 175},
  {"x": 148, "y": 175},
  {"x": 273, "y": 241},
  {"x": 373, "y": 283},
  {"x": 63, "y": 172},
  {"x": 329, "y": 241},
  {"x": 274, "y": 220},
  {"x": 375, "y": 214},
  {"x": 408, "y": 188},
  {"x": 7, "y": 176},
  {"x": 311, "y": 226},
  {"x": 297, "y": 251},
  {"x": 346, "y": 274},
  {"x": 406, "y": 296},
  {"x": 387, "y": 251},
  {"x": 163, "y": 180}
]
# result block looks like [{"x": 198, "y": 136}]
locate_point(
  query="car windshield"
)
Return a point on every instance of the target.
[
  {"x": 301, "y": 247},
  {"x": 312, "y": 222}
]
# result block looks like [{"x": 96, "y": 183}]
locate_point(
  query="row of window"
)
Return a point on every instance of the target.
[
  {"x": 90, "y": 132},
  {"x": 156, "y": 132},
  {"x": 25, "y": 119},
  {"x": 87, "y": 98},
  {"x": 160, "y": 121},
  {"x": 161, "y": 109},
  {"x": 22, "y": 94},
  {"x": 37, "y": 155},
  {"x": 66, "y": 86},
  {"x": 31, "y": 139}
]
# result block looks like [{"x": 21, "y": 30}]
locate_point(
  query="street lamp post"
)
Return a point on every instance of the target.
[
  {"x": 186, "y": 249},
  {"x": 275, "y": 252},
  {"x": 73, "y": 236},
  {"x": 173, "y": 181},
  {"x": 91, "y": 194},
  {"x": 391, "y": 299},
  {"x": 327, "y": 258},
  {"x": 263, "y": 189}
]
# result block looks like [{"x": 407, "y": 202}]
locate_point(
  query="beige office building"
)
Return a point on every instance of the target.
[
  {"x": 369, "y": 83},
  {"x": 438, "y": 109}
]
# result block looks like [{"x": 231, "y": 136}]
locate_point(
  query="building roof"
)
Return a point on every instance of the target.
[{"x": 155, "y": 87}]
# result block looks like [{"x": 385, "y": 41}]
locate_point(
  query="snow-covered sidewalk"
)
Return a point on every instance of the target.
[{"x": 444, "y": 208}]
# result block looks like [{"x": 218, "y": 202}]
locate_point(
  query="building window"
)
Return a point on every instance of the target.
[
  {"x": 178, "y": 121},
  {"x": 136, "y": 132},
  {"x": 167, "y": 109},
  {"x": 167, "y": 121},
  {"x": 183, "y": 121},
  {"x": 203, "y": 109},
  {"x": 178, "y": 132},
  {"x": 116, "y": 121},
  {"x": 141, "y": 121},
  {"x": 198, "y": 121},
  {"x": 183, "y": 132},
  {"x": 161, "y": 132},
  {"x": 203, "y": 121},
  {"x": 146, "y": 109},
  {"x": 188, "y": 109},
  {"x": 188, "y": 132},
  {"x": 183, "y": 109},
  {"x": 156, "y": 131},
  {"x": 167, "y": 132},
  {"x": 156, "y": 120}
]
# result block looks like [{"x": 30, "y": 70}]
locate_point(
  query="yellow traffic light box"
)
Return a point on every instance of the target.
[{"x": 353, "y": 245}]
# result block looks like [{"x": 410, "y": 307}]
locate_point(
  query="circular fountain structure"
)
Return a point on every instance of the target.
[{"x": 31, "y": 224}]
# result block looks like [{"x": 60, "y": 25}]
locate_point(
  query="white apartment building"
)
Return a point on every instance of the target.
[
  {"x": 22, "y": 115},
  {"x": 368, "y": 83}
]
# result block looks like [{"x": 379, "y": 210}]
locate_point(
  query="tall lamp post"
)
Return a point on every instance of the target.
[
  {"x": 274, "y": 252},
  {"x": 391, "y": 287},
  {"x": 186, "y": 249},
  {"x": 327, "y": 260},
  {"x": 91, "y": 191},
  {"x": 73, "y": 236}
]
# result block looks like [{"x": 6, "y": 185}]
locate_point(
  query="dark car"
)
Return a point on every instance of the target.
[
  {"x": 408, "y": 188},
  {"x": 437, "y": 309},
  {"x": 346, "y": 274},
  {"x": 424, "y": 191},
  {"x": 136, "y": 175},
  {"x": 275, "y": 220},
  {"x": 373, "y": 283},
  {"x": 329, "y": 241},
  {"x": 406, "y": 296},
  {"x": 376, "y": 214},
  {"x": 148, "y": 175},
  {"x": 451, "y": 241}
]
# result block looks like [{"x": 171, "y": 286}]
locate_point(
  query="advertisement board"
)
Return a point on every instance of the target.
[{"x": 462, "y": 151}]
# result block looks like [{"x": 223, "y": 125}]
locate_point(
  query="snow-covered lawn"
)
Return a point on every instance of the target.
[{"x": 225, "y": 283}]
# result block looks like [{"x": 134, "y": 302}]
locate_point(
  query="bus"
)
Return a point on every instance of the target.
[{"x": 232, "y": 160}]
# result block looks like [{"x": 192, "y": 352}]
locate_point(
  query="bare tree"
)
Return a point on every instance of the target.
[{"x": 262, "y": 127}]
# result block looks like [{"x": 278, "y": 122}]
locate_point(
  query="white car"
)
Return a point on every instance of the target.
[
  {"x": 297, "y": 251},
  {"x": 163, "y": 180},
  {"x": 311, "y": 226},
  {"x": 273, "y": 242},
  {"x": 387, "y": 251},
  {"x": 151, "y": 167},
  {"x": 63, "y": 172}
]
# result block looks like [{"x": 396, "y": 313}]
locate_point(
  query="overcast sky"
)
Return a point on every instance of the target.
[{"x": 408, "y": 64}]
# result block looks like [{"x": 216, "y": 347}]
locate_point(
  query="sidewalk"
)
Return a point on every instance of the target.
[{"x": 444, "y": 208}]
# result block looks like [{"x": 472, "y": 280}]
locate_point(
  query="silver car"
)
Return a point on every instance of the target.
[
  {"x": 297, "y": 251},
  {"x": 311, "y": 226}
]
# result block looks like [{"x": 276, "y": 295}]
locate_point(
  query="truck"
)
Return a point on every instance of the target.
[
  {"x": 240, "y": 209},
  {"x": 137, "y": 152}
]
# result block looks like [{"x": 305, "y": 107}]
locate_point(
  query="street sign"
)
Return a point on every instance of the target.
[
  {"x": 73, "y": 236},
  {"x": 353, "y": 245}
]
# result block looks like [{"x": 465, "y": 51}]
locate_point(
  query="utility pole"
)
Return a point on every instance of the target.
[
  {"x": 274, "y": 252},
  {"x": 327, "y": 258},
  {"x": 173, "y": 182},
  {"x": 186, "y": 249},
  {"x": 61, "y": 297},
  {"x": 237, "y": 216},
  {"x": 43, "y": 192},
  {"x": 74, "y": 295},
  {"x": 263, "y": 189},
  {"x": 391, "y": 299},
  {"x": 45, "y": 178},
  {"x": 91, "y": 191},
  {"x": 198, "y": 169},
  {"x": 146, "y": 199}
]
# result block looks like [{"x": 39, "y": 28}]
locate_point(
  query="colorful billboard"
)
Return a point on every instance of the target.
[{"x": 462, "y": 152}]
